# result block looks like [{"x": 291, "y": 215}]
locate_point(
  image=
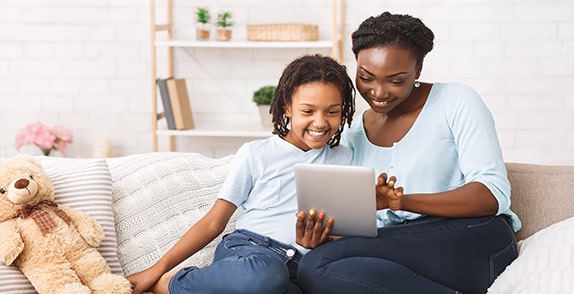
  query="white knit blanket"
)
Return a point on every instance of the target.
[
  {"x": 545, "y": 263},
  {"x": 157, "y": 197}
]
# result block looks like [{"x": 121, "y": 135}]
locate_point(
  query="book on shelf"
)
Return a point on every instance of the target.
[
  {"x": 167, "y": 108},
  {"x": 181, "y": 108}
]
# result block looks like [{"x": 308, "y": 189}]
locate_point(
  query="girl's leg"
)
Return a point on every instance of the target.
[
  {"x": 239, "y": 267},
  {"x": 438, "y": 256}
]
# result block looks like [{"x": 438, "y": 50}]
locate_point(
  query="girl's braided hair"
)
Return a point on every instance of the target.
[
  {"x": 310, "y": 69},
  {"x": 400, "y": 30}
]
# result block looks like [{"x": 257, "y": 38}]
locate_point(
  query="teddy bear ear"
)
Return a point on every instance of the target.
[{"x": 29, "y": 159}]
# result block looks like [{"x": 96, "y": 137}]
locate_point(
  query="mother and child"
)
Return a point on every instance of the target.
[{"x": 443, "y": 197}]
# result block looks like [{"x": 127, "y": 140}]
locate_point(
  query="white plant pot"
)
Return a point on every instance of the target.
[{"x": 266, "y": 119}]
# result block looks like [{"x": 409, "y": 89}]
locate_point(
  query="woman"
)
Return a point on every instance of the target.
[{"x": 448, "y": 228}]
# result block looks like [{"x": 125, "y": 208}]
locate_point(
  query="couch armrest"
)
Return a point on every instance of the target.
[{"x": 541, "y": 195}]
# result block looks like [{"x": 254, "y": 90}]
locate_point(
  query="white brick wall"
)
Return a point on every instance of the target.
[{"x": 86, "y": 65}]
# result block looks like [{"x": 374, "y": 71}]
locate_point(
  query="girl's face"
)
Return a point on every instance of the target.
[
  {"x": 315, "y": 113},
  {"x": 385, "y": 76}
]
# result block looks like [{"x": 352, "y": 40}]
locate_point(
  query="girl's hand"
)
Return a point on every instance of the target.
[
  {"x": 310, "y": 233},
  {"x": 387, "y": 195},
  {"x": 144, "y": 280}
]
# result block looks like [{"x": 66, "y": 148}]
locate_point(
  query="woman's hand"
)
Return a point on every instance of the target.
[
  {"x": 387, "y": 195},
  {"x": 310, "y": 233},
  {"x": 144, "y": 280}
]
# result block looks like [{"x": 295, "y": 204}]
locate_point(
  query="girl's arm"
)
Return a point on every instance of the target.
[{"x": 197, "y": 237}]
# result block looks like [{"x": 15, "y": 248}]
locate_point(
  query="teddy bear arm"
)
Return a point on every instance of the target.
[
  {"x": 87, "y": 226},
  {"x": 11, "y": 243}
]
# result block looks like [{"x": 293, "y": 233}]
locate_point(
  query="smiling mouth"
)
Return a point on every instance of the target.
[
  {"x": 380, "y": 103},
  {"x": 316, "y": 133}
]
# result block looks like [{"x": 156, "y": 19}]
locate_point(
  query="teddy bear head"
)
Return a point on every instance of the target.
[{"x": 22, "y": 181}]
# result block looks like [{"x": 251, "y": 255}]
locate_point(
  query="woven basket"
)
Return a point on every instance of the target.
[{"x": 283, "y": 32}]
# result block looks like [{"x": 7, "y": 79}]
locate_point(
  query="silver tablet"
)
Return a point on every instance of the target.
[{"x": 344, "y": 193}]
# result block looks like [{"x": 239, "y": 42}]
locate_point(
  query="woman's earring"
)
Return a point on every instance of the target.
[{"x": 417, "y": 84}]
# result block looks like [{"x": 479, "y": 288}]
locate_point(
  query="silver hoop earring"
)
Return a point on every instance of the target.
[{"x": 417, "y": 84}]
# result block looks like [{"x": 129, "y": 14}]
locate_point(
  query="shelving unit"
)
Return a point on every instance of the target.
[{"x": 224, "y": 130}]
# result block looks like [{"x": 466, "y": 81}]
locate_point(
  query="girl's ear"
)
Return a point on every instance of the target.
[{"x": 287, "y": 111}]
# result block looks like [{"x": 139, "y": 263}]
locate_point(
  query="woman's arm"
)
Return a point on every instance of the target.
[
  {"x": 471, "y": 200},
  {"x": 197, "y": 237}
]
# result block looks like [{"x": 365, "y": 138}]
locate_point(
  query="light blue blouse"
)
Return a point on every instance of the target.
[{"x": 452, "y": 142}]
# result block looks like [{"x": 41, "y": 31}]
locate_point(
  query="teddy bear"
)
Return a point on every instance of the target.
[{"x": 53, "y": 245}]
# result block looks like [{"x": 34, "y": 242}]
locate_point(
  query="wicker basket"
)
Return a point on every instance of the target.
[{"x": 283, "y": 32}]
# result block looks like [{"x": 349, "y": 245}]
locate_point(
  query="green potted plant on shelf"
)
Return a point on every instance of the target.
[
  {"x": 203, "y": 18},
  {"x": 262, "y": 98},
  {"x": 224, "y": 24}
]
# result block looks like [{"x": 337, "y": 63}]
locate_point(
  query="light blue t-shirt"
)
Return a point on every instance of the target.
[
  {"x": 452, "y": 142},
  {"x": 261, "y": 179}
]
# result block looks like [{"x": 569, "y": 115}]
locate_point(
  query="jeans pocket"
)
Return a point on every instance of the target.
[
  {"x": 501, "y": 259},
  {"x": 232, "y": 242},
  {"x": 242, "y": 238}
]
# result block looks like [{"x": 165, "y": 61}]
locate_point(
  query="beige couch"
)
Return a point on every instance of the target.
[
  {"x": 543, "y": 198},
  {"x": 155, "y": 197},
  {"x": 541, "y": 195}
]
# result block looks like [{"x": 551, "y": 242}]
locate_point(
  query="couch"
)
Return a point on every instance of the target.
[{"x": 145, "y": 202}]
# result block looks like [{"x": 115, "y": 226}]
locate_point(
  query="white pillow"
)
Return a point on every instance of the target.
[
  {"x": 545, "y": 263},
  {"x": 157, "y": 198},
  {"x": 83, "y": 184}
]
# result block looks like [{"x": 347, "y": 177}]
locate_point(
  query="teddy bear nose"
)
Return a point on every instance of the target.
[{"x": 21, "y": 183}]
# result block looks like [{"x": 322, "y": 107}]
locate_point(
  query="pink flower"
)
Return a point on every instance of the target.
[
  {"x": 45, "y": 138},
  {"x": 62, "y": 133}
]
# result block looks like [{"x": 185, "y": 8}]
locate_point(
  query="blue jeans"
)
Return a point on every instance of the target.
[
  {"x": 430, "y": 255},
  {"x": 244, "y": 262}
]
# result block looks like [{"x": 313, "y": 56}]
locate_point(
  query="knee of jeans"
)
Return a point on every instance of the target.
[
  {"x": 308, "y": 268},
  {"x": 268, "y": 275}
]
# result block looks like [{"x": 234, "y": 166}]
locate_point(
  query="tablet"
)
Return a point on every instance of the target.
[{"x": 344, "y": 193}]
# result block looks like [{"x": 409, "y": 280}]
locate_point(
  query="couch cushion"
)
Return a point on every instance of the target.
[
  {"x": 545, "y": 263},
  {"x": 541, "y": 195},
  {"x": 83, "y": 184},
  {"x": 157, "y": 198}
]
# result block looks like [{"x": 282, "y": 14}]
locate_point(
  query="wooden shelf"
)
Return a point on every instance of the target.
[
  {"x": 242, "y": 44},
  {"x": 220, "y": 129},
  {"x": 246, "y": 130}
]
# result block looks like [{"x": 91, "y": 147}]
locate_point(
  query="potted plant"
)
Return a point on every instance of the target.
[
  {"x": 202, "y": 23},
  {"x": 262, "y": 98},
  {"x": 224, "y": 24}
]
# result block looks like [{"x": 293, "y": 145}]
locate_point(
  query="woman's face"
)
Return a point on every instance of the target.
[
  {"x": 385, "y": 76},
  {"x": 315, "y": 113}
]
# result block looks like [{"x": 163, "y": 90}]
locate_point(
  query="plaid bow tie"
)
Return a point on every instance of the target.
[{"x": 41, "y": 216}]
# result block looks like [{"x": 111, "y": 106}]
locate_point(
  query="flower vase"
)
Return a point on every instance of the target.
[
  {"x": 202, "y": 31},
  {"x": 266, "y": 118},
  {"x": 223, "y": 35}
]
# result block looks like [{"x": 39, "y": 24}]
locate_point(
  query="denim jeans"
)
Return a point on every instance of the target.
[
  {"x": 430, "y": 255},
  {"x": 244, "y": 262}
]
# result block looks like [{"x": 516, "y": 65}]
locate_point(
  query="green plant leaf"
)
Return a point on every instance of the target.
[
  {"x": 264, "y": 95},
  {"x": 224, "y": 19},
  {"x": 202, "y": 15}
]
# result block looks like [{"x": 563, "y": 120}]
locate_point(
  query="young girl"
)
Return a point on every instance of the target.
[{"x": 316, "y": 97}]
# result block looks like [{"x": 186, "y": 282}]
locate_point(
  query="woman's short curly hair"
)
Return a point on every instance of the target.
[
  {"x": 400, "y": 30},
  {"x": 310, "y": 69}
]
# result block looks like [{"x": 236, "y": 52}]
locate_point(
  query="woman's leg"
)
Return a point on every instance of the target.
[
  {"x": 444, "y": 255},
  {"x": 240, "y": 266}
]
